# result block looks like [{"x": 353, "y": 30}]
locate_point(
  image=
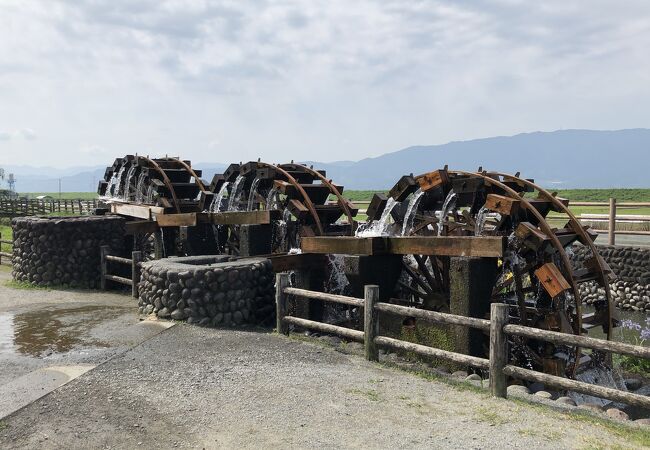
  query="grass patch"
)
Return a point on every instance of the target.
[
  {"x": 6, "y": 235},
  {"x": 27, "y": 286},
  {"x": 370, "y": 394},
  {"x": 490, "y": 417},
  {"x": 628, "y": 432}
]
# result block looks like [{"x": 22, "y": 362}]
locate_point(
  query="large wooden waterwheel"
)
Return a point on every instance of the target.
[
  {"x": 536, "y": 277},
  {"x": 306, "y": 202}
]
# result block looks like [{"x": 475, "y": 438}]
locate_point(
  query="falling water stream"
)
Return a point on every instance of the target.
[
  {"x": 252, "y": 194},
  {"x": 215, "y": 206},
  {"x": 481, "y": 216},
  {"x": 446, "y": 207},
  {"x": 378, "y": 227},
  {"x": 235, "y": 193},
  {"x": 139, "y": 188},
  {"x": 271, "y": 200},
  {"x": 126, "y": 189},
  {"x": 409, "y": 217}
]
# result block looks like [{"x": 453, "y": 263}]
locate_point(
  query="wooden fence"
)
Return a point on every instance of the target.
[
  {"x": 497, "y": 326},
  {"x": 15, "y": 207},
  {"x": 107, "y": 260},
  {"x": 6, "y": 255},
  {"x": 612, "y": 218}
]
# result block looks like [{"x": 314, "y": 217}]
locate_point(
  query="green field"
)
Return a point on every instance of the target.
[
  {"x": 64, "y": 195},
  {"x": 5, "y": 232},
  {"x": 576, "y": 195}
]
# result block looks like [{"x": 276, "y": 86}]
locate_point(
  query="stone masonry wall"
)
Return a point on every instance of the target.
[
  {"x": 50, "y": 251},
  {"x": 209, "y": 290},
  {"x": 631, "y": 265}
]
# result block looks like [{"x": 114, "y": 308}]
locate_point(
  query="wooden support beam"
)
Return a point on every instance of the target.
[
  {"x": 139, "y": 211},
  {"x": 177, "y": 220},
  {"x": 141, "y": 226},
  {"x": 302, "y": 261},
  {"x": 467, "y": 246}
]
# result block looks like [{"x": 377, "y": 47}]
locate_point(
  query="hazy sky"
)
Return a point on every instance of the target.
[{"x": 217, "y": 81}]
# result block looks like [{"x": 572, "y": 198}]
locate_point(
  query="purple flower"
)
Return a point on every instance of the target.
[
  {"x": 645, "y": 334},
  {"x": 630, "y": 325}
]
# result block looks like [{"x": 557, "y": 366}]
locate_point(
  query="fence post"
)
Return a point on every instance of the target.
[
  {"x": 498, "y": 349},
  {"x": 136, "y": 259},
  {"x": 103, "y": 251},
  {"x": 370, "y": 322},
  {"x": 281, "y": 282},
  {"x": 612, "y": 221}
]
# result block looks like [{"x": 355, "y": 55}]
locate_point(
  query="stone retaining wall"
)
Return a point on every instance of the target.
[
  {"x": 631, "y": 265},
  {"x": 209, "y": 290},
  {"x": 50, "y": 251}
]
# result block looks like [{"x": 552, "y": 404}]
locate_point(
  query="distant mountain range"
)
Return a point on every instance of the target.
[{"x": 558, "y": 159}]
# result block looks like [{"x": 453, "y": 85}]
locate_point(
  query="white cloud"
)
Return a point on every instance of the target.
[{"x": 314, "y": 80}]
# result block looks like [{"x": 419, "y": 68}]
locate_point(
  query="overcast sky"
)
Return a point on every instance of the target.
[{"x": 218, "y": 81}]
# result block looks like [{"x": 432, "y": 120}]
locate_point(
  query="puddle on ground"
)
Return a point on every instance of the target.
[{"x": 46, "y": 331}]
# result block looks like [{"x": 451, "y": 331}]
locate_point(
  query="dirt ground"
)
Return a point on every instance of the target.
[{"x": 190, "y": 387}]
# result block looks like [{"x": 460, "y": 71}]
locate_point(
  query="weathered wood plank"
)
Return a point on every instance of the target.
[
  {"x": 498, "y": 350},
  {"x": 177, "y": 220},
  {"x": 302, "y": 261},
  {"x": 141, "y": 226},
  {"x": 552, "y": 279},
  {"x": 354, "y": 335},
  {"x": 472, "y": 361},
  {"x": 502, "y": 204},
  {"x": 468, "y": 246},
  {"x": 238, "y": 217},
  {"x": 324, "y": 296},
  {"x": 139, "y": 211},
  {"x": 580, "y": 341},
  {"x": 578, "y": 386},
  {"x": 433, "y": 316},
  {"x": 346, "y": 245},
  {"x": 433, "y": 179}
]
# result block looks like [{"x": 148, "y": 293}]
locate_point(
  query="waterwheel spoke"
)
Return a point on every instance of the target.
[{"x": 416, "y": 278}]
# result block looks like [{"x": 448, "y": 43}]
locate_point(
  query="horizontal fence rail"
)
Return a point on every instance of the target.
[
  {"x": 6, "y": 255},
  {"x": 134, "y": 262},
  {"x": 497, "y": 326},
  {"x": 15, "y": 207}
]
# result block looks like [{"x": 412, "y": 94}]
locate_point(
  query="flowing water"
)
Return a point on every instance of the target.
[
  {"x": 215, "y": 206},
  {"x": 271, "y": 199},
  {"x": 140, "y": 192},
  {"x": 235, "y": 193},
  {"x": 378, "y": 227},
  {"x": 252, "y": 194},
  {"x": 149, "y": 196},
  {"x": 407, "y": 226},
  {"x": 446, "y": 207},
  {"x": 126, "y": 190},
  {"x": 480, "y": 221}
]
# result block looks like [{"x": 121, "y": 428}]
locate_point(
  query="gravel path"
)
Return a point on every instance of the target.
[{"x": 206, "y": 388}]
